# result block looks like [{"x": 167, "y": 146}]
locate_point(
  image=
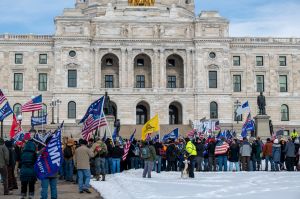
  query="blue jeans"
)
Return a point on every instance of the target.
[
  {"x": 61, "y": 171},
  {"x": 53, "y": 187},
  {"x": 157, "y": 164},
  {"x": 134, "y": 162},
  {"x": 236, "y": 164},
  {"x": 100, "y": 166},
  {"x": 83, "y": 174},
  {"x": 107, "y": 165},
  {"x": 222, "y": 161},
  {"x": 115, "y": 165},
  {"x": 69, "y": 165},
  {"x": 269, "y": 159}
]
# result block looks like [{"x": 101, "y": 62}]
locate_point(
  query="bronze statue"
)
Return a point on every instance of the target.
[
  {"x": 107, "y": 107},
  {"x": 261, "y": 103}
]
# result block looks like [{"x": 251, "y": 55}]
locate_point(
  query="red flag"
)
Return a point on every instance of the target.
[{"x": 14, "y": 125}]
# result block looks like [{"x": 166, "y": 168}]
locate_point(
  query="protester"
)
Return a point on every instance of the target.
[
  {"x": 267, "y": 154},
  {"x": 4, "y": 161},
  {"x": 192, "y": 153},
  {"x": 12, "y": 181},
  {"x": 211, "y": 154},
  {"x": 27, "y": 173},
  {"x": 157, "y": 163},
  {"x": 82, "y": 162},
  {"x": 290, "y": 154},
  {"x": 276, "y": 152},
  {"x": 221, "y": 151},
  {"x": 100, "y": 151},
  {"x": 171, "y": 156},
  {"x": 69, "y": 152},
  {"x": 116, "y": 155},
  {"x": 233, "y": 156},
  {"x": 148, "y": 154},
  {"x": 199, "y": 158},
  {"x": 245, "y": 151}
]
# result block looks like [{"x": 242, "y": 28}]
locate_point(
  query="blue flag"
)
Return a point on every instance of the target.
[
  {"x": 49, "y": 162},
  {"x": 132, "y": 136},
  {"x": 5, "y": 111},
  {"x": 93, "y": 109},
  {"x": 248, "y": 126},
  {"x": 35, "y": 121},
  {"x": 115, "y": 134},
  {"x": 156, "y": 138},
  {"x": 172, "y": 135}
]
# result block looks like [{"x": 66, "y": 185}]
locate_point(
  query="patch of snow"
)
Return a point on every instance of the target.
[{"x": 169, "y": 185}]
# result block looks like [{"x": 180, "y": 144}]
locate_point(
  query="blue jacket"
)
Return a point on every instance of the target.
[
  {"x": 290, "y": 149},
  {"x": 28, "y": 159}
]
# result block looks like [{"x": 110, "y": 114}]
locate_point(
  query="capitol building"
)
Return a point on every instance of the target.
[{"x": 151, "y": 56}]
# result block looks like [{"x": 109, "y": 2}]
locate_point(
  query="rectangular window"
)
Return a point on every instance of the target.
[
  {"x": 43, "y": 59},
  {"x": 72, "y": 78},
  {"x": 140, "y": 81},
  {"x": 18, "y": 81},
  {"x": 236, "y": 83},
  {"x": 260, "y": 87},
  {"x": 283, "y": 83},
  {"x": 109, "y": 81},
  {"x": 259, "y": 60},
  {"x": 236, "y": 60},
  {"x": 213, "y": 83},
  {"x": 171, "y": 81},
  {"x": 43, "y": 82},
  {"x": 19, "y": 58},
  {"x": 282, "y": 60}
]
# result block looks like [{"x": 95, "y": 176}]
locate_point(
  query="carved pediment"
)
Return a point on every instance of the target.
[
  {"x": 72, "y": 66},
  {"x": 213, "y": 67}
]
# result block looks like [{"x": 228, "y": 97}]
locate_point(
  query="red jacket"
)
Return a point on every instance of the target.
[{"x": 267, "y": 150}]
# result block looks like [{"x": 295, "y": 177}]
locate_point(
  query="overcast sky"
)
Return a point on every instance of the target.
[{"x": 280, "y": 18}]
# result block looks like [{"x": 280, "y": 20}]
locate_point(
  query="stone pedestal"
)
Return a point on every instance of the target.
[{"x": 262, "y": 127}]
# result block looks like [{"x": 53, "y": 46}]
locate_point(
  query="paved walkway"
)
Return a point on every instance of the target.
[{"x": 66, "y": 190}]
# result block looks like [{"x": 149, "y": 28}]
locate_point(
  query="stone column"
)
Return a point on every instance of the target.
[
  {"x": 262, "y": 127},
  {"x": 162, "y": 67},
  {"x": 130, "y": 68},
  {"x": 155, "y": 70},
  {"x": 187, "y": 71},
  {"x": 122, "y": 69},
  {"x": 96, "y": 69}
]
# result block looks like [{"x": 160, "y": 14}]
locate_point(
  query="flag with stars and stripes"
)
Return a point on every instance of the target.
[
  {"x": 34, "y": 104},
  {"x": 2, "y": 97},
  {"x": 127, "y": 146}
]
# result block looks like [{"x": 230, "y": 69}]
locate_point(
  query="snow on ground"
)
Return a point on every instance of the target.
[{"x": 232, "y": 185}]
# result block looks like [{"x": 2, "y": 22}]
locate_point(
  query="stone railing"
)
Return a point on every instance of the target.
[
  {"x": 29, "y": 37},
  {"x": 264, "y": 40}
]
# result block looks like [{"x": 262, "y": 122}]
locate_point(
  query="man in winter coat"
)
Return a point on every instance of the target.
[
  {"x": 69, "y": 152},
  {"x": 12, "y": 181},
  {"x": 245, "y": 152},
  {"x": 276, "y": 152},
  {"x": 221, "y": 154},
  {"x": 233, "y": 157},
  {"x": 171, "y": 155},
  {"x": 100, "y": 150},
  {"x": 116, "y": 155},
  {"x": 200, "y": 150},
  {"x": 148, "y": 155},
  {"x": 290, "y": 154},
  {"x": 4, "y": 160},
  {"x": 267, "y": 153},
  {"x": 211, "y": 155},
  {"x": 192, "y": 153},
  {"x": 157, "y": 163},
  {"x": 82, "y": 162}
]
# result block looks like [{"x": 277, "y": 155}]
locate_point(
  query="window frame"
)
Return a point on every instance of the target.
[
  {"x": 45, "y": 83},
  {"x": 109, "y": 81},
  {"x": 211, "y": 81},
  {"x": 72, "y": 81},
  {"x": 70, "y": 114},
  {"x": 41, "y": 59},
  {"x": 282, "y": 112},
  {"x": 234, "y": 61},
  {"x": 285, "y": 83},
  {"x": 172, "y": 81},
  {"x": 239, "y": 83},
  {"x": 211, "y": 111},
  {"x": 280, "y": 62},
  {"x": 261, "y": 62},
  {"x": 140, "y": 81},
  {"x": 18, "y": 82},
  {"x": 263, "y": 83},
  {"x": 18, "y": 59}
]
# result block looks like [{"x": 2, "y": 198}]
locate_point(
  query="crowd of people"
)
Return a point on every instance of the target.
[{"x": 96, "y": 157}]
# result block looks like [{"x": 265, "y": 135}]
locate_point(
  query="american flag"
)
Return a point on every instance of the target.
[
  {"x": 2, "y": 97},
  {"x": 127, "y": 146},
  {"x": 191, "y": 133},
  {"x": 34, "y": 104},
  {"x": 95, "y": 119}
]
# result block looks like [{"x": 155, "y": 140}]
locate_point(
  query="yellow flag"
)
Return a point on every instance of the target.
[{"x": 151, "y": 126}]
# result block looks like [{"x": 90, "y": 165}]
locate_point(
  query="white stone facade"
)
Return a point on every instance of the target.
[{"x": 95, "y": 29}]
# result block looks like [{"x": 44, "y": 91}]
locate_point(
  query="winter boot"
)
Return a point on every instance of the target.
[
  {"x": 103, "y": 177},
  {"x": 97, "y": 177}
]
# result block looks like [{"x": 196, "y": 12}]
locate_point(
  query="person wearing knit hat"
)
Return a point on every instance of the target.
[{"x": 276, "y": 153}]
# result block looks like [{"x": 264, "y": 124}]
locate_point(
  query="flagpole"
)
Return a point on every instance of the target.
[
  {"x": 2, "y": 129},
  {"x": 109, "y": 130}
]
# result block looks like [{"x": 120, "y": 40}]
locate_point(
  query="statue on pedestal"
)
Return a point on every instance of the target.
[
  {"x": 261, "y": 103},
  {"x": 107, "y": 107}
]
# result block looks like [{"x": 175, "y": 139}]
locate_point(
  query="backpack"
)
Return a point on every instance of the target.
[
  {"x": 136, "y": 151},
  {"x": 68, "y": 152},
  {"x": 145, "y": 153}
]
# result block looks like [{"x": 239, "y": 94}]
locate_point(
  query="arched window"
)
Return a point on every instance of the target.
[
  {"x": 17, "y": 109},
  {"x": 175, "y": 113},
  {"x": 213, "y": 110},
  {"x": 142, "y": 112},
  {"x": 43, "y": 111},
  {"x": 284, "y": 112},
  {"x": 72, "y": 110}
]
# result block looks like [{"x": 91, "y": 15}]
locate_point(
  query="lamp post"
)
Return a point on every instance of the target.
[
  {"x": 237, "y": 103},
  {"x": 52, "y": 105},
  {"x": 58, "y": 102}
]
